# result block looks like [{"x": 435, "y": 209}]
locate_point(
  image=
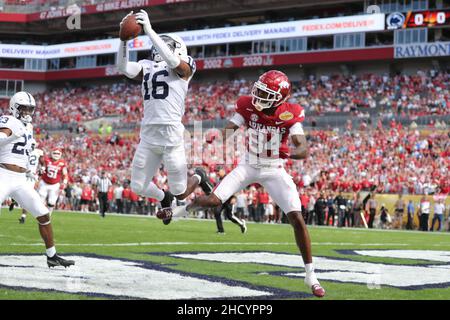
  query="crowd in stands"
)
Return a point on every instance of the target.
[{"x": 412, "y": 96}]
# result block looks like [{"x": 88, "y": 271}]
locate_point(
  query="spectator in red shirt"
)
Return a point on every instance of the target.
[
  {"x": 87, "y": 195},
  {"x": 263, "y": 201},
  {"x": 126, "y": 196}
]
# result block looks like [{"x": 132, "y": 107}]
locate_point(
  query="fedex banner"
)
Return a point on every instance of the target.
[
  {"x": 419, "y": 50},
  {"x": 303, "y": 28},
  {"x": 59, "y": 50},
  {"x": 362, "y": 23}
]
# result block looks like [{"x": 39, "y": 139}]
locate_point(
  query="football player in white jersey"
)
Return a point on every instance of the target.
[
  {"x": 15, "y": 148},
  {"x": 33, "y": 164},
  {"x": 165, "y": 78}
]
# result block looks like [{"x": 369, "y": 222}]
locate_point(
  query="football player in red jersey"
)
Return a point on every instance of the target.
[
  {"x": 270, "y": 120},
  {"x": 54, "y": 170}
]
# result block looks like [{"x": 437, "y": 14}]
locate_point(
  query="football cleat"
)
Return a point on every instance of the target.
[
  {"x": 243, "y": 227},
  {"x": 21, "y": 220},
  {"x": 12, "y": 205},
  {"x": 59, "y": 261},
  {"x": 314, "y": 285},
  {"x": 165, "y": 214},
  {"x": 205, "y": 184},
  {"x": 318, "y": 291}
]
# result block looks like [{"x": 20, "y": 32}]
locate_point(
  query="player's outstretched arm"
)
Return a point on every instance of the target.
[
  {"x": 132, "y": 70},
  {"x": 172, "y": 60},
  {"x": 301, "y": 147}
]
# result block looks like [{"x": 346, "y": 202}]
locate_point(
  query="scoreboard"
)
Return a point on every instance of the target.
[
  {"x": 418, "y": 19},
  {"x": 427, "y": 18}
]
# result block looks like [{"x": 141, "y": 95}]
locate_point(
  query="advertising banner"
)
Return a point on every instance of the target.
[
  {"x": 419, "y": 50},
  {"x": 87, "y": 9},
  {"x": 290, "y": 29},
  {"x": 279, "y": 30}
]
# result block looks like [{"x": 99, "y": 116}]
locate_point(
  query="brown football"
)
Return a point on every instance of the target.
[{"x": 130, "y": 29}]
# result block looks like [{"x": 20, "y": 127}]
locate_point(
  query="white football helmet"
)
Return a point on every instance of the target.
[
  {"x": 174, "y": 42},
  {"x": 22, "y": 106}
]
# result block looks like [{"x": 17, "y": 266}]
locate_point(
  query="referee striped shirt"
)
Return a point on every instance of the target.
[{"x": 103, "y": 184}]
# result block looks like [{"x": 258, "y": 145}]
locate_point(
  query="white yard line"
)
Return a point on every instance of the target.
[{"x": 135, "y": 244}]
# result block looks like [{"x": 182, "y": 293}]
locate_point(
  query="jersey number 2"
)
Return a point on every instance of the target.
[
  {"x": 19, "y": 147},
  {"x": 155, "y": 85}
]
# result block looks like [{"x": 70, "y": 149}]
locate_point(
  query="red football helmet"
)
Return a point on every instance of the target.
[{"x": 272, "y": 89}]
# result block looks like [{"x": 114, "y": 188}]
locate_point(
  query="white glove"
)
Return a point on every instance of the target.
[
  {"x": 143, "y": 19},
  {"x": 31, "y": 176},
  {"x": 121, "y": 22},
  {"x": 21, "y": 130}
]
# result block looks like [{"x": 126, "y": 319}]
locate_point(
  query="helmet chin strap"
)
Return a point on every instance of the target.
[{"x": 26, "y": 119}]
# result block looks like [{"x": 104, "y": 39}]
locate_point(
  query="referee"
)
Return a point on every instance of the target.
[{"x": 103, "y": 184}]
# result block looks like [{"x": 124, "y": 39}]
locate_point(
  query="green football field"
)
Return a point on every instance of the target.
[{"x": 131, "y": 257}]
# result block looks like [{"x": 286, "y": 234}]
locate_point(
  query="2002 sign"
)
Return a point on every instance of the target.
[{"x": 212, "y": 64}]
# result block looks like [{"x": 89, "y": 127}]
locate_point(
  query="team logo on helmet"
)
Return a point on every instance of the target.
[
  {"x": 284, "y": 85},
  {"x": 285, "y": 116}
]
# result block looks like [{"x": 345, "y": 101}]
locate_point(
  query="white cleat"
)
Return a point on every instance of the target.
[{"x": 312, "y": 283}]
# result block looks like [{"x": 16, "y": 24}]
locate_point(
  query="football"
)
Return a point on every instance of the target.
[{"x": 130, "y": 29}]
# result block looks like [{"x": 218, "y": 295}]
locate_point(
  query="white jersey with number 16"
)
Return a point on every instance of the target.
[{"x": 164, "y": 92}]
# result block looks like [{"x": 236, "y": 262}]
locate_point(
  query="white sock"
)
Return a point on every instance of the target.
[
  {"x": 180, "y": 211},
  {"x": 51, "y": 251},
  {"x": 24, "y": 215},
  {"x": 198, "y": 177},
  {"x": 309, "y": 268}
]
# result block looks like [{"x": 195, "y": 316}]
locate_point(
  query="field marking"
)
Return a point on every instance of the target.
[
  {"x": 135, "y": 244},
  {"x": 355, "y": 230},
  {"x": 283, "y": 225}
]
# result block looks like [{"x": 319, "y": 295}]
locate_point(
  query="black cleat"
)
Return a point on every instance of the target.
[
  {"x": 12, "y": 205},
  {"x": 22, "y": 220},
  {"x": 205, "y": 184},
  {"x": 58, "y": 261},
  {"x": 165, "y": 215},
  {"x": 243, "y": 227},
  {"x": 166, "y": 204}
]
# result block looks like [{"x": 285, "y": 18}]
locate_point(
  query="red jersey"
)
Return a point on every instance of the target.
[
  {"x": 53, "y": 170},
  {"x": 86, "y": 193},
  {"x": 263, "y": 197},
  {"x": 268, "y": 134}
]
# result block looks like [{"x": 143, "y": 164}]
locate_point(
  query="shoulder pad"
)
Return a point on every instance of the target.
[{"x": 10, "y": 122}]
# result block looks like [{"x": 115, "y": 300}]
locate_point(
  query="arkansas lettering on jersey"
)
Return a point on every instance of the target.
[
  {"x": 53, "y": 170},
  {"x": 268, "y": 134}
]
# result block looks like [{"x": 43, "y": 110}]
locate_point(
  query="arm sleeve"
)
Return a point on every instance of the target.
[
  {"x": 130, "y": 69},
  {"x": 5, "y": 140},
  {"x": 169, "y": 57},
  {"x": 296, "y": 129},
  {"x": 238, "y": 119}
]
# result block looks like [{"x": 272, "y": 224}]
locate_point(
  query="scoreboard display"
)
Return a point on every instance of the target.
[
  {"x": 418, "y": 19},
  {"x": 427, "y": 18}
]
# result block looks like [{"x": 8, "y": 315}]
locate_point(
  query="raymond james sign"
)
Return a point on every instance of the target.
[{"x": 418, "y": 50}]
